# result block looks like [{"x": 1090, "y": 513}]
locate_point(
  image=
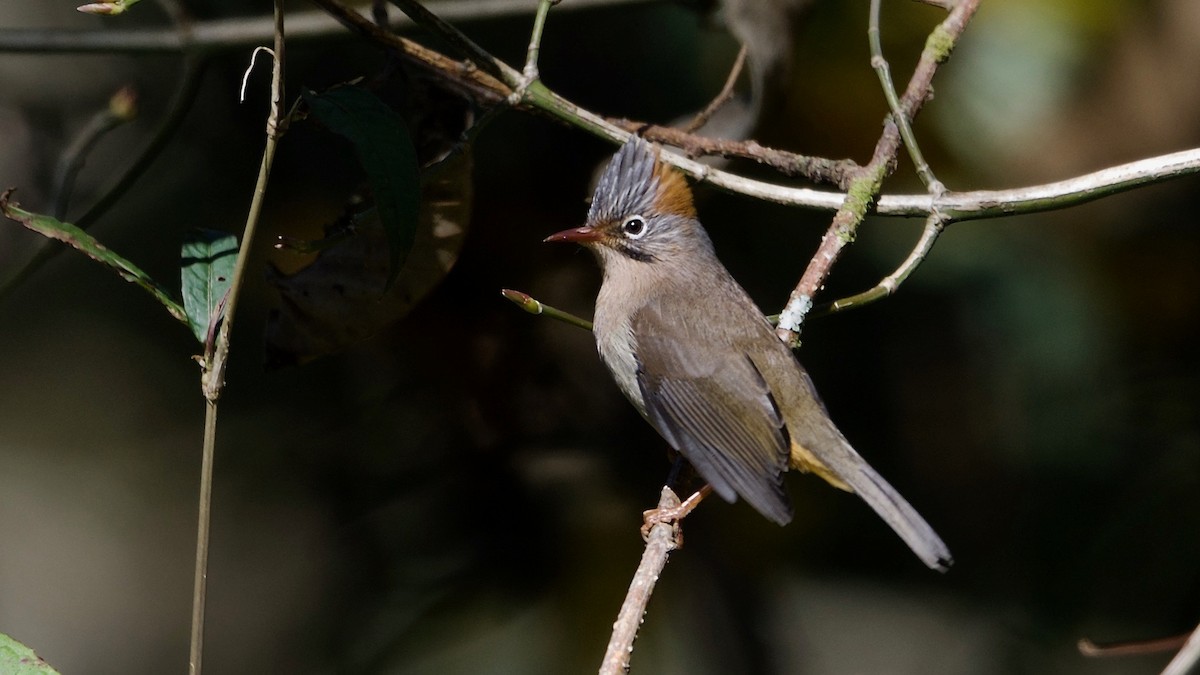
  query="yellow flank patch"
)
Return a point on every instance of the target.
[{"x": 807, "y": 462}]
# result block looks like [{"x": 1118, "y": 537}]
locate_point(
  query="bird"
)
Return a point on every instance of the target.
[{"x": 693, "y": 353}]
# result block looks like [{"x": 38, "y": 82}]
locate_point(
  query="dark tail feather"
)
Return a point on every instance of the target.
[{"x": 901, "y": 516}]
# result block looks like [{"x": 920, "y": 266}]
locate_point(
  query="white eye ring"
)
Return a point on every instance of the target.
[{"x": 634, "y": 227}]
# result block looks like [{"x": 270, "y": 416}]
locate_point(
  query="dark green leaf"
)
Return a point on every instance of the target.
[
  {"x": 17, "y": 659},
  {"x": 82, "y": 241},
  {"x": 208, "y": 258},
  {"x": 386, "y": 152}
]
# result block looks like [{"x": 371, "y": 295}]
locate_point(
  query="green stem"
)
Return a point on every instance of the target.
[
  {"x": 934, "y": 225},
  {"x": 535, "y": 40},
  {"x": 527, "y": 303},
  {"x": 200, "y": 586}
]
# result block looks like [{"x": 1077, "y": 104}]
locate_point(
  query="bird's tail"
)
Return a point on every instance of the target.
[{"x": 846, "y": 469}]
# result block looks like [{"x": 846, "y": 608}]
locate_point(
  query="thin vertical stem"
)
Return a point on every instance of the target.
[
  {"x": 200, "y": 586},
  {"x": 535, "y": 40},
  {"x": 217, "y": 353},
  {"x": 884, "y": 73}
]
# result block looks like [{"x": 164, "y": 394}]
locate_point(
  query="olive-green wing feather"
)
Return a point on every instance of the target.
[{"x": 710, "y": 402}]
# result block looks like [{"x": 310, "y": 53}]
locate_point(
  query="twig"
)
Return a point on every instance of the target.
[
  {"x": 883, "y": 71},
  {"x": 530, "y": 72},
  {"x": 457, "y": 39},
  {"x": 465, "y": 78},
  {"x": 722, "y": 97},
  {"x": 934, "y": 225},
  {"x": 866, "y": 186},
  {"x": 121, "y": 108},
  {"x": 817, "y": 169},
  {"x": 217, "y": 353},
  {"x": 527, "y": 303},
  {"x": 663, "y": 538}
]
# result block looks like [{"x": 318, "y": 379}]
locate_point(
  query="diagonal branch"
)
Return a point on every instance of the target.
[
  {"x": 664, "y": 537},
  {"x": 722, "y": 97}
]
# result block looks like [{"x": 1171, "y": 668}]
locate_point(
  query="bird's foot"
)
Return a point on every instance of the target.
[{"x": 673, "y": 514}]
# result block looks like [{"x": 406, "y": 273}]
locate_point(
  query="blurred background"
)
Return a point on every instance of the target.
[{"x": 461, "y": 493}]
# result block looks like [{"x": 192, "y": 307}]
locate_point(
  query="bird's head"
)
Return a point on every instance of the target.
[{"x": 642, "y": 211}]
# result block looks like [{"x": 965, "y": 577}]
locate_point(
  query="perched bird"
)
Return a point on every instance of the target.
[{"x": 689, "y": 348}]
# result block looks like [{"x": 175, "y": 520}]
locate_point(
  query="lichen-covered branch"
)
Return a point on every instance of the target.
[{"x": 866, "y": 185}]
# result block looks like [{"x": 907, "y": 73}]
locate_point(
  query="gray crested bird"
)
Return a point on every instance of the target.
[{"x": 693, "y": 353}]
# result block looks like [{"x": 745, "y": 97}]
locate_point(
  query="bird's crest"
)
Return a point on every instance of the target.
[{"x": 637, "y": 181}]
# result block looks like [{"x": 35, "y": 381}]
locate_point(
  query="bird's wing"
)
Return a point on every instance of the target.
[{"x": 711, "y": 403}]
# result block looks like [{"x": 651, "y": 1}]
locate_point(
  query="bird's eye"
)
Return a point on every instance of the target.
[{"x": 634, "y": 227}]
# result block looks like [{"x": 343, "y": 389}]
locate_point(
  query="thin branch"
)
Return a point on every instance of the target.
[
  {"x": 722, "y": 97},
  {"x": 491, "y": 65},
  {"x": 664, "y": 537},
  {"x": 216, "y": 354},
  {"x": 121, "y": 108},
  {"x": 203, "y": 526},
  {"x": 884, "y": 72},
  {"x": 529, "y": 304},
  {"x": 865, "y": 188},
  {"x": 934, "y": 225},
  {"x": 215, "y": 361},
  {"x": 817, "y": 169},
  {"x": 530, "y": 72},
  {"x": 463, "y": 77}
]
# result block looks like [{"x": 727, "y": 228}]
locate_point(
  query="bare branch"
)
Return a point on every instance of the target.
[
  {"x": 818, "y": 169},
  {"x": 664, "y": 537},
  {"x": 866, "y": 186}
]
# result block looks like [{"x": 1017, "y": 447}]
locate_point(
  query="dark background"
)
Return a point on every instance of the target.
[{"x": 462, "y": 493}]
